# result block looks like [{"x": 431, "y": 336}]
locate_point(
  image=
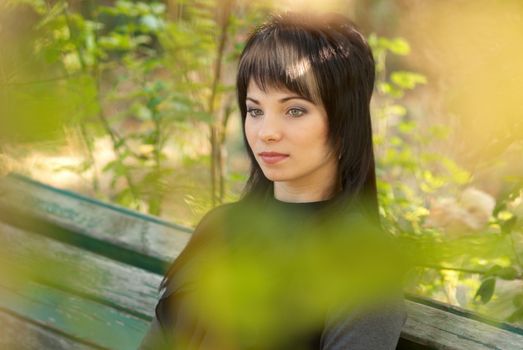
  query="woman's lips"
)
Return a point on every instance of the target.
[{"x": 273, "y": 158}]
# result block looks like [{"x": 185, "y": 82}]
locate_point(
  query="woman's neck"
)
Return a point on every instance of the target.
[{"x": 285, "y": 193}]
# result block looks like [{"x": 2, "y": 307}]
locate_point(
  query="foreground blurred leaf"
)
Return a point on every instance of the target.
[{"x": 486, "y": 289}]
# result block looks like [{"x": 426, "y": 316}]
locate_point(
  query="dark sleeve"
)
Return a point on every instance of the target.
[
  {"x": 173, "y": 321},
  {"x": 378, "y": 329},
  {"x": 175, "y": 326},
  {"x": 154, "y": 338}
]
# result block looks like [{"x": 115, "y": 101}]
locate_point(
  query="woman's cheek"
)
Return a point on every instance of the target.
[{"x": 250, "y": 134}]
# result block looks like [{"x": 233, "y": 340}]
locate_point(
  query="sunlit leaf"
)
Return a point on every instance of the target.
[{"x": 407, "y": 80}]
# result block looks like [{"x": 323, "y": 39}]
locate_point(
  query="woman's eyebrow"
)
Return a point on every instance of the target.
[
  {"x": 295, "y": 98},
  {"x": 283, "y": 99}
]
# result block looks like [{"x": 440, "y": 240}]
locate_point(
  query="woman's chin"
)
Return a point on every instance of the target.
[{"x": 275, "y": 177}]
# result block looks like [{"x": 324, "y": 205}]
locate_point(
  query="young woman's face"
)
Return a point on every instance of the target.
[{"x": 281, "y": 121}]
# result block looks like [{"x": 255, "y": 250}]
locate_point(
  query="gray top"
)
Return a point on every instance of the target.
[{"x": 378, "y": 328}]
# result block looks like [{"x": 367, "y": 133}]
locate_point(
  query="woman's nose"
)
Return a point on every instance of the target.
[{"x": 270, "y": 130}]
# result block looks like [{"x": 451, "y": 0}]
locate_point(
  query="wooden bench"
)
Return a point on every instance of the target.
[{"x": 81, "y": 274}]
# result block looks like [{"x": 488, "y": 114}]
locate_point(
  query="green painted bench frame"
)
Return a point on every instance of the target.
[{"x": 110, "y": 261}]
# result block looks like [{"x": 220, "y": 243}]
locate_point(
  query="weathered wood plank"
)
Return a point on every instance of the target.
[
  {"x": 439, "y": 329},
  {"x": 79, "y": 318},
  {"x": 79, "y": 272},
  {"x": 21, "y": 334},
  {"x": 137, "y": 232}
]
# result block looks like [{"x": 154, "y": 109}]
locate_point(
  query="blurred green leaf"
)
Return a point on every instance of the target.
[
  {"x": 398, "y": 46},
  {"x": 406, "y": 126},
  {"x": 486, "y": 289},
  {"x": 407, "y": 80}
]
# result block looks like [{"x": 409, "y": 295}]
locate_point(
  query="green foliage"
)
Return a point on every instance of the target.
[
  {"x": 407, "y": 171},
  {"x": 154, "y": 72},
  {"x": 409, "y": 174}
]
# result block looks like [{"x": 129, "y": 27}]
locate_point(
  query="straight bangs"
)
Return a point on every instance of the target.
[{"x": 279, "y": 60}]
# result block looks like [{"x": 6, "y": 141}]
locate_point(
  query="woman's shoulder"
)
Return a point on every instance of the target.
[
  {"x": 216, "y": 214},
  {"x": 218, "y": 218},
  {"x": 211, "y": 228}
]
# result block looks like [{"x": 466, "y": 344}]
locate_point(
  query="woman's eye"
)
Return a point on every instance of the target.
[
  {"x": 296, "y": 112},
  {"x": 254, "y": 112}
]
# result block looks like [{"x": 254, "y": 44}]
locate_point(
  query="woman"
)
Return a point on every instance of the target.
[{"x": 304, "y": 86}]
